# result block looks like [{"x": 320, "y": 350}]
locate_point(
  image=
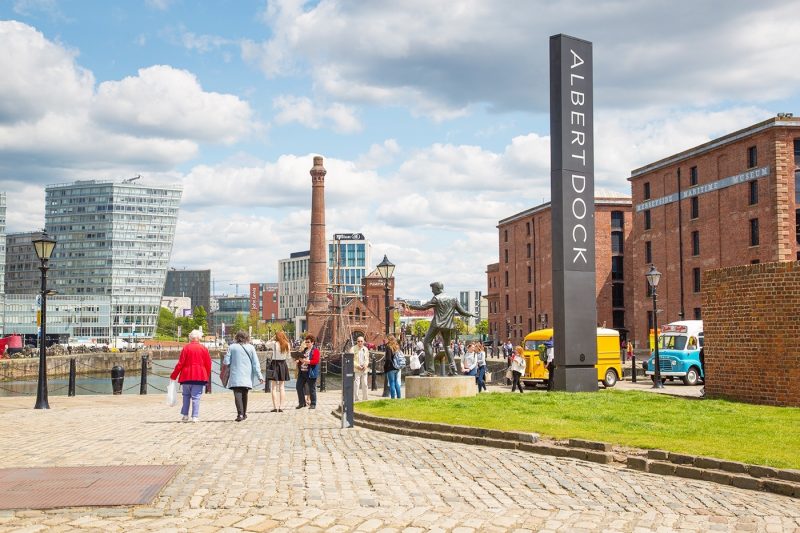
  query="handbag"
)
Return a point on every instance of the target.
[
  {"x": 172, "y": 393},
  {"x": 313, "y": 371},
  {"x": 224, "y": 374},
  {"x": 509, "y": 374}
]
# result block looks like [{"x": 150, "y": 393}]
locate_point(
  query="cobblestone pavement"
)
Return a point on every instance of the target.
[{"x": 298, "y": 471}]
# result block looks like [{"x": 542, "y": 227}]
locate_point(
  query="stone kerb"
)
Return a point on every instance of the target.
[{"x": 440, "y": 387}]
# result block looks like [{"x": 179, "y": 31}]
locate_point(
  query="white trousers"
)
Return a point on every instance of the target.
[{"x": 360, "y": 386}]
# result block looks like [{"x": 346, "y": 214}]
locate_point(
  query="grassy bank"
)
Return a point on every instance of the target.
[{"x": 715, "y": 428}]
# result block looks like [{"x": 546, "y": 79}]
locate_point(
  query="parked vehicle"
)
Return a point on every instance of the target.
[
  {"x": 679, "y": 347},
  {"x": 609, "y": 368}
]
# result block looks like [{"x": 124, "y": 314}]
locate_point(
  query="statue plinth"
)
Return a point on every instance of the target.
[{"x": 440, "y": 386}]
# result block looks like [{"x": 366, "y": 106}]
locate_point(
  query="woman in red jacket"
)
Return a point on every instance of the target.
[
  {"x": 194, "y": 368},
  {"x": 308, "y": 372}
]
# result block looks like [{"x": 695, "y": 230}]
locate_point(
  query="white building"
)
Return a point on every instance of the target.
[{"x": 472, "y": 302}]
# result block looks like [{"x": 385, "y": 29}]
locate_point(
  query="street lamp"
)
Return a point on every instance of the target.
[
  {"x": 44, "y": 248},
  {"x": 386, "y": 271},
  {"x": 653, "y": 277}
]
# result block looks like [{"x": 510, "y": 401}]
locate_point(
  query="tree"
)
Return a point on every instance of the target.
[
  {"x": 461, "y": 326},
  {"x": 482, "y": 328},
  {"x": 240, "y": 323},
  {"x": 166, "y": 325},
  {"x": 200, "y": 319},
  {"x": 420, "y": 327}
]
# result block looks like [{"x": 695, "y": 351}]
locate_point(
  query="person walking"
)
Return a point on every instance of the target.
[
  {"x": 193, "y": 371},
  {"x": 469, "y": 364},
  {"x": 361, "y": 367},
  {"x": 394, "y": 366},
  {"x": 308, "y": 372},
  {"x": 279, "y": 370},
  {"x": 517, "y": 368},
  {"x": 245, "y": 371},
  {"x": 480, "y": 360}
]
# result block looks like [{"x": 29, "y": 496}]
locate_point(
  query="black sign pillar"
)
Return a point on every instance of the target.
[
  {"x": 572, "y": 197},
  {"x": 347, "y": 390}
]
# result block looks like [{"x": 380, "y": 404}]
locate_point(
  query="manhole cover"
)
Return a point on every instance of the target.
[{"x": 82, "y": 486}]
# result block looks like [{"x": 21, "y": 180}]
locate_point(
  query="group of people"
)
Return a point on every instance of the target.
[
  {"x": 473, "y": 363},
  {"x": 193, "y": 372}
]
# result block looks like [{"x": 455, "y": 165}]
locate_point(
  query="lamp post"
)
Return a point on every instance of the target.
[
  {"x": 44, "y": 248},
  {"x": 653, "y": 277},
  {"x": 386, "y": 271}
]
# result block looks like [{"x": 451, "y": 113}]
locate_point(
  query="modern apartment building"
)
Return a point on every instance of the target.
[
  {"x": 731, "y": 201},
  {"x": 114, "y": 241},
  {"x": 195, "y": 284},
  {"x": 519, "y": 286},
  {"x": 471, "y": 301},
  {"x": 349, "y": 261},
  {"x": 22, "y": 274},
  {"x": 293, "y": 286},
  {"x": 264, "y": 301}
]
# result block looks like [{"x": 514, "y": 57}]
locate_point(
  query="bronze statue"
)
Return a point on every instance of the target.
[{"x": 443, "y": 323}]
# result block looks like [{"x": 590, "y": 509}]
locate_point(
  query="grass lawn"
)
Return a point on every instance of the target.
[{"x": 714, "y": 428}]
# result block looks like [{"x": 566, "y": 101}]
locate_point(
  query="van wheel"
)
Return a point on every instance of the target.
[
  {"x": 691, "y": 377},
  {"x": 611, "y": 378}
]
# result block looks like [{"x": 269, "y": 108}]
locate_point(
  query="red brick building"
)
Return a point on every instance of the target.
[
  {"x": 732, "y": 201},
  {"x": 519, "y": 286},
  {"x": 264, "y": 301}
]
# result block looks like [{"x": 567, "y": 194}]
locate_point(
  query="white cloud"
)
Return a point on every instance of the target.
[
  {"x": 53, "y": 124},
  {"x": 338, "y": 117},
  {"x": 167, "y": 102},
  {"x": 160, "y": 5},
  {"x": 442, "y": 61},
  {"x": 379, "y": 155}
]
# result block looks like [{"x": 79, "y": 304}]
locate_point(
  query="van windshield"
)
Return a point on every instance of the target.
[
  {"x": 672, "y": 342},
  {"x": 533, "y": 346}
]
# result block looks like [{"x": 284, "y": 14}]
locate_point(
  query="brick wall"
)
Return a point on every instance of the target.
[{"x": 752, "y": 333}]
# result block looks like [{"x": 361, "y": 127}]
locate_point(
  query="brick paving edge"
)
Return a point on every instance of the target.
[{"x": 660, "y": 462}]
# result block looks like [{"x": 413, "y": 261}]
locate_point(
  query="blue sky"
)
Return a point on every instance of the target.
[{"x": 432, "y": 116}]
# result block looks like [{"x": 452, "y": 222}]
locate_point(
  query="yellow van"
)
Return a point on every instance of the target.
[{"x": 609, "y": 368}]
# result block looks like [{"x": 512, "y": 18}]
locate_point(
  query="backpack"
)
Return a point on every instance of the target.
[{"x": 399, "y": 360}]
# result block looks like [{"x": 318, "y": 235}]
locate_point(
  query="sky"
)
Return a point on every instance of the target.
[{"x": 432, "y": 117}]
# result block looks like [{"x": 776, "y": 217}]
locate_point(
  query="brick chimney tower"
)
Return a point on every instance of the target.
[{"x": 318, "y": 306}]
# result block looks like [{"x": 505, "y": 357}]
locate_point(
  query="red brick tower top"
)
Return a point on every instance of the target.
[{"x": 317, "y": 308}]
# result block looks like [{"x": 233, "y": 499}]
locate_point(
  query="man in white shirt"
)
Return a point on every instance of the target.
[{"x": 361, "y": 368}]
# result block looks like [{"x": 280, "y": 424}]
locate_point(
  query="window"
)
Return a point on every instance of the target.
[
  {"x": 697, "y": 314},
  {"x": 616, "y": 242},
  {"x": 696, "y": 279},
  {"x": 695, "y": 243},
  {"x": 530, "y": 324},
  {"x": 649, "y": 323},
  {"x": 753, "y": 232},
  {"x": 693, "y": 176},
  {"x": 755, "y": 262},
  {"x": 648, "y": 289},
  {"x": 530, "y": 299},
  {"x": 527, "y": 228},
  {"x": 507, "y": 303},
  {"x": 506, "y": 278},
  {"x": 647, "y": 219},
  {"x": 647, "y": 190},
  {"x": 506, "y": 251},
  {"x": 752, "y": 157},
  {"x": 529, "y": 274},
  {"x": 753, "y": 192},
  {"x": 529, "y": 249},
  {"x": 617, "y": 220},
  {"x": 695, "y": 207},
  {"x": 617, "y": 295},
  {"x": 505, "y": 235},
  {"x": 648, "y": 252},
  {"x": 618, "y": 319},
  {"x": 617, "y": 267}
]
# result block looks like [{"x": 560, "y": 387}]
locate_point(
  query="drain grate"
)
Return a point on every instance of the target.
[{"x": 82, "y": 486}]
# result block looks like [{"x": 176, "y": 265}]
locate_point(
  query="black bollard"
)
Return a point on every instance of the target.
[
  {"x": 374, "y": 372},
  {"x": 71, "y": 387},
  {"x": 143, "y": 382},
  {"x": 633, "y": 368},
  {"x": 117, "y": 377},
  {"x": 267, "y": 384}
]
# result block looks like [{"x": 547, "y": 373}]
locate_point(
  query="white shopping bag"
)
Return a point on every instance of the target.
[{"x": 172, "y": 393}]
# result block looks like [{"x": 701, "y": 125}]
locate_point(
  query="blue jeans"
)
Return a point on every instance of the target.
[
  {"x": 394, "y": 383},
  {"x": 481, "y": 378},
  {"x": 191, "y": 392}
]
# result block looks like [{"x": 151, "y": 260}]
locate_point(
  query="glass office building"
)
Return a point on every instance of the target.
[
  {"x": 196, "y": 284},
  {"x": 114, "y": 241},
  {"x": 349, "y": 261}
]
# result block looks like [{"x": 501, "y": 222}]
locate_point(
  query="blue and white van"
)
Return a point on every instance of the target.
[{"x": 679, "y": 346}]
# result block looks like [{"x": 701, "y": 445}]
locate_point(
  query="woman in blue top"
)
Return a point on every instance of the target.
[{"x": 245, "y": 370}]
